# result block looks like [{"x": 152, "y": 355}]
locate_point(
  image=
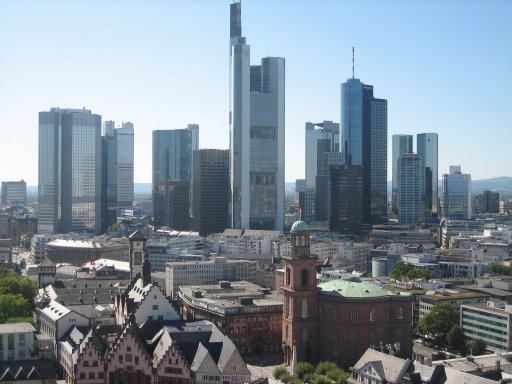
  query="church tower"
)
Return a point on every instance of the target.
[
  {"x": 137, "y": 253},
  {"x": 300, "y": 312}
]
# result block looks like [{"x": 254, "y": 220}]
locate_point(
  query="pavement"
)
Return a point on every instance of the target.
[{"x": 263, "y": 365}]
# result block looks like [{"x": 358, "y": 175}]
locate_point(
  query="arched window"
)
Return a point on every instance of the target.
[
  {"x": 335, "y": 342},
  {"x": 354, "y": 316},
  {"x": 399, "y": 313},
  {"x": 287, "y": 276},
  {"x": 304, "y": 308},
  {"x": 289, "y": 306},
  {"x": 373, "y": 315},
  {"x": 304, "y": 277}
]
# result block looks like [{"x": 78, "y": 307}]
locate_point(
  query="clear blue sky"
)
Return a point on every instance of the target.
[{"x": 443, "y": 66}]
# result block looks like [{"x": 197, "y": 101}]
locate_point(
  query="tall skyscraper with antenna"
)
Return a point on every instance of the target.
[
  {"x": 363, "y": 141},
  {"x": 256, "y": 132}
]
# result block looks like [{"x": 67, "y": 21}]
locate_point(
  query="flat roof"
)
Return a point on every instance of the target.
[{"x": 16, "y": 328}]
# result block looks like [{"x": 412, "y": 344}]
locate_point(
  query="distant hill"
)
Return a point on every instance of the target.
[{"x": 502, "y": 184}]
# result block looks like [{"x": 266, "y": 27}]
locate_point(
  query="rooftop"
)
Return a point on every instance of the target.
[
  {"x": 16, "y": 328},
  {"x": 355, "y": 288}
]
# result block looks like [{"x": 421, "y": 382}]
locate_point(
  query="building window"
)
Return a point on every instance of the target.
[
  {"x": 335, "y": 315},
  {"x": 91, "y": 375},
  {"x": 287, "y": 276},
  {"x": 304, "y": 308},
  {"x": 10, "y": 342},
  {"x": 399, "y": 313},
  {"x": 354, "y": 316},
  {"x": 304, "y": 277},
  {"x": 399, "y": 335},
  {"x": 372, "y": 337},
  {"x": 155, "y": 307},
  {"x": 353, "y": 345},
  {"x": 373, "y": 315},
  {"x": 335, "y": 342}
]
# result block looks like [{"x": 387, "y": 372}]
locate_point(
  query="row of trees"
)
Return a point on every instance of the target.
[
  {"x": 16, "y": 297},
  {"x": 500, "y": 269},
  {"x": 326, "y": 372}
]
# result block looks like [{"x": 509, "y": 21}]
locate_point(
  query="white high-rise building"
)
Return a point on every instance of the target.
[{"x": 256, "y": 128}]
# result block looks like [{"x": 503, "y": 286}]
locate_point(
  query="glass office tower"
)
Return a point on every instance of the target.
[
  {"x": 172, "y": 157},
  {"x": 456, "y": 194},
  {"x": 363, "y": 140},
  {"x": 400, "y": 144},
  {"x": 256, "y": 131},
  {"x": 426, "y": 144},
  {"x": 69, "y": 183}
]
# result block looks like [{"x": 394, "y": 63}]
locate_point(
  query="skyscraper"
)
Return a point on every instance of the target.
[
  {"x": 363, "y": 140},
  {"x": 345, "y": 198},
  {"x": 456, "y": 202},
  {"x": 211, "y": 191},
  {"x": 401, "y": 144},
  {"x": 117, "y": 170},
  {"x": 171, "y": 204},
  {"x": 426, "y": 144},
  {"x": 410, "y": 189},
  {"x": 172, "y": 156},
  {"x": 320, "y": 138},
  {"x": 69, "y": 171},
  {"x": 256, "y": 128}
]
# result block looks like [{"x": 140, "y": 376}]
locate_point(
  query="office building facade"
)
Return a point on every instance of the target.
[
  {"x": 171, "y": 204},
  {"x": 320, "y": 138},
  {"x": 117, "y": 170},
  {"x": 14, "y": 192},
  {"x": 256, "y": 128},
  {"x": 363, "y": 141},
  {"x": 172, "y": 158},
  {"x": 69, "y": 171},
  {"x": 210, "y": 183},
  {"x": 345, "y": 199},
  {"x": 401, "y": 144},
  {"x": 456, "y": 194},
  {"x": 410, "y": 189},
  {"x": 427, "y": 148}
]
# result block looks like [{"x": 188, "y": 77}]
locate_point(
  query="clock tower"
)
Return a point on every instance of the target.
[
  {"x": 300, "y": 307},
  {"x": 137, "y": 253}
]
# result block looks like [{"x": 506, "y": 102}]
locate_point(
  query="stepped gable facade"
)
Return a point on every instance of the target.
[{"x": 159, "y": 352}]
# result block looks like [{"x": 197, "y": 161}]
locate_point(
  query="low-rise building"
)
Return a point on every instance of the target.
[
  {"x": 78, "y": 252},
  {"x": 248, "y": 314},
  {"x": 16, "y": 341},
  {"x": 207, "y": 272},
  {"x": 491, "y": 322}
]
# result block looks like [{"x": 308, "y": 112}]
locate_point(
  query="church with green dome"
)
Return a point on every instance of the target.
[{"x": 337, "y": 320}]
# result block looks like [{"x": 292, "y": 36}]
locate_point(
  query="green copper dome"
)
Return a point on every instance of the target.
[{"x": 300, "y": 226}]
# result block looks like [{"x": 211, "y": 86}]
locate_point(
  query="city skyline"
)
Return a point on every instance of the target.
[{"x": 443, "y": 68}]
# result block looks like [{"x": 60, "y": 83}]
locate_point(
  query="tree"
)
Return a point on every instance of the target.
[
  {"x": 439, "y": 321},
  {"x": 455, "y": 339},
  {"x": 477, "y": 347},
  {"x": 402, "y": 269},
  {"x": 325, "y": 366},
  {"x": 14, "y": 306},
  {"x": 13, "y": 284}
]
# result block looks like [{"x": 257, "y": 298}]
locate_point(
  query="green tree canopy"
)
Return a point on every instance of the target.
[
  {"x": 14, "y": 284},
  {"x": 439, "y": 321},
  {"x": 14, "y": 306},
  {"x": 401, "y": 269},
  {"x": 477, "y": 347},
  {"x": 455, "y": 339}
]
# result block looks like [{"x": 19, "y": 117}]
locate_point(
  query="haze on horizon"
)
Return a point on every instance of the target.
[{"x": 444, "y": 67}]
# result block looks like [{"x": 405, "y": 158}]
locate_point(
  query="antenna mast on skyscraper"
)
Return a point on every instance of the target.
[{"x": 352, "y": 63}]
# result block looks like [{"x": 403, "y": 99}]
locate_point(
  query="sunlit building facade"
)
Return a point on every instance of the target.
[{"x": 69, "y": 171}]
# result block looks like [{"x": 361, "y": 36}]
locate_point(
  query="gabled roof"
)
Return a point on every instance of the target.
[
  {"x": 390, "y": 368},
  {"x": 137, "y": 235}
]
